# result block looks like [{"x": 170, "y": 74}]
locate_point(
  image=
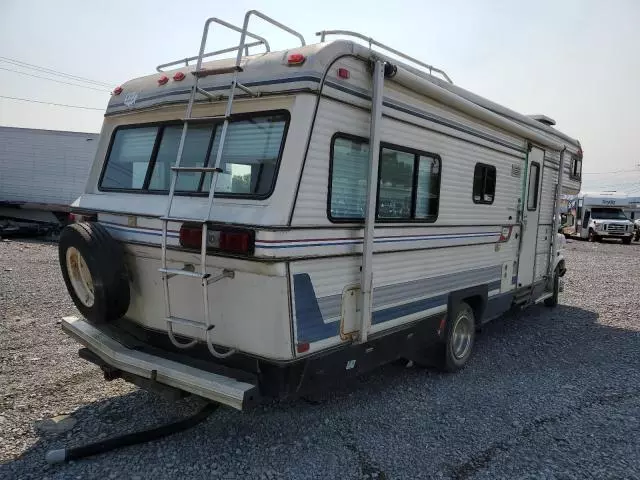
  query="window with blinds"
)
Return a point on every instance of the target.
[
  {"x": 141, "y": 157},
  {"x": 408, "y": 188}
]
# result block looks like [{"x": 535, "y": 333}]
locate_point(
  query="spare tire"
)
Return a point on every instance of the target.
[{"x": 94, "y": 271}]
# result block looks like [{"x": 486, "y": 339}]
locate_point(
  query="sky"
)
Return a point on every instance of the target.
[{"x": 577, "y": 61}]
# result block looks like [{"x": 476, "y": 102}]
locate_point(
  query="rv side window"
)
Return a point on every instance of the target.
[
  {"x": 408, "y": 182},
  {"x": 349, "y": 171},
  {"x": 484, "y": 183},
  {"x": 140, "y": 157},
  {"x": 532, "y": 191},
  {"x": 428, "y": 188},
  {"x": 576, "y": 168},
  {"x": 396, "y": 184}
]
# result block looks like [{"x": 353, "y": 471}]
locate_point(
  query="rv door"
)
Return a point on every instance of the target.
[{"x": 530, "y": 215}]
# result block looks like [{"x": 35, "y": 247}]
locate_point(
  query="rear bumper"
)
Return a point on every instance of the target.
[{"x": 213, "y": 386}]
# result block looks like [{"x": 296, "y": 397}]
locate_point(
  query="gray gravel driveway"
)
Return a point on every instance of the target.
[{"x": 550, "y": 394}]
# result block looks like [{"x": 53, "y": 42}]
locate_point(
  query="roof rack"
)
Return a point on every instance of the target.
[
  {"x": 431, "y": 69},
  {"x": 259, "y": 41}
]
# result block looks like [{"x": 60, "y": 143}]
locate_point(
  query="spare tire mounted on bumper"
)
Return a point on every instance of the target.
[{"x": 93, "y": 267}]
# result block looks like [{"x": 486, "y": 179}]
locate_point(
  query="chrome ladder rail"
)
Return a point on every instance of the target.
[{"x": 205, "y": 278}]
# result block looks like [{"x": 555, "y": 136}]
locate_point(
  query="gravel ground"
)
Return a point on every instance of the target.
[{"x": 550, "y": 394}]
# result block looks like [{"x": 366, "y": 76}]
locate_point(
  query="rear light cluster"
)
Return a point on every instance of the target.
[
  {"x": 78, "y": 217},
  {"x": 505, "y": 234},
  {"x": 227, "y": 240}
]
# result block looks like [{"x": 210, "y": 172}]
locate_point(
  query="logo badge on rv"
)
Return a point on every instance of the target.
[{"x": 130, "y": 99}]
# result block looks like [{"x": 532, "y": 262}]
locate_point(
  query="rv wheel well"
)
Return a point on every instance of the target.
[{"x": 477, "y": 304}]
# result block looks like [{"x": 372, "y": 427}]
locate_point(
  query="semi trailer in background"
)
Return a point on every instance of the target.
[{"x": 41, "y": 173}]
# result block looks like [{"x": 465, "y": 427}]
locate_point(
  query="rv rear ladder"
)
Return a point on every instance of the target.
[{"x": 205, "y": 277}]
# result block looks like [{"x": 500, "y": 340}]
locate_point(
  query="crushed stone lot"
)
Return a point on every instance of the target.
[{"x": 549, "y": 394}]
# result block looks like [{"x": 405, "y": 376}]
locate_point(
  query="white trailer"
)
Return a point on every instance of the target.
[
  {"x": 366, "y": 209},
  {"x": 599, "y": 215},
  {"x": 43, "y": 171}
]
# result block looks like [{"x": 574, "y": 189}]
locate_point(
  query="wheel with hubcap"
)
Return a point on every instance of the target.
[
  {"x": 460, "y": 338},
  {"x": 592, "y": 236}
]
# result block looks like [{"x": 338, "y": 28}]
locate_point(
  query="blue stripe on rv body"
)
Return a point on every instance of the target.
[
  {"x": 445, "y": 236},
  {"x": 141, "y": 231},
  {"x": 311, "y": 326}
]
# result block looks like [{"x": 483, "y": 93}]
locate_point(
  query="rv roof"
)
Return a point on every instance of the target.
[{"x": 271, "y": 74}]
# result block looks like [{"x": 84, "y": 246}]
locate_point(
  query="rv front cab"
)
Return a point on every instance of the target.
[{"x": 610, "y": 222}]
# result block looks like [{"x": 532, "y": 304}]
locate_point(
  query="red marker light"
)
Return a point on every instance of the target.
[
  {"x": 296, "y": 59},
  {"x": 303, "y": 347},
  {"x": 343, "y": 73},
  {"x": 178, "y": 77},
  {"x": 163, "y": 80},
  {"x": 117, "y": 90}
]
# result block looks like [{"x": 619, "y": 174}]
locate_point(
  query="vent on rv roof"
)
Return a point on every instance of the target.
[{"x": 543, "y": 119}]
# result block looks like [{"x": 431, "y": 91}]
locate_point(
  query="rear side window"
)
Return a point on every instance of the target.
[
  {"x": 408, "y": 182},
  {"x": 140, "y": 157},
  {"x": 484, "y": 183}
]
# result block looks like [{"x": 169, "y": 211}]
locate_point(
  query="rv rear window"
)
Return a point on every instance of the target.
[
  {"x": 140, "y": 157},
  {"x": 484, "y": 183},
  {"x": 408, "y": 185}
]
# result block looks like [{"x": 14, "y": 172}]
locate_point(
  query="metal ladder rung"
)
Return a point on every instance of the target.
[
  {"x": 205, "y": 93},
  {"x": 197, "y": 169},
  {"x": 187, "y": 322},
  {"x": 185, "y": 273},
  {"x": 246, "y": 89}
]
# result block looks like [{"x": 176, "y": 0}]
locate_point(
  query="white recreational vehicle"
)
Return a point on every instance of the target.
[
  {"x": 261, "y": 225},
  {"x": 598, "y": 215}
]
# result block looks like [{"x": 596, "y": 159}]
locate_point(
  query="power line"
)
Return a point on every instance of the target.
[
  {"x": 49, "y": 70},
  {"x": 51, "y": 103},
  {"x": 54, "y": 80}
]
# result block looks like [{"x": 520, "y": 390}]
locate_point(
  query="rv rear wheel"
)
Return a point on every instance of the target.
[
  {"x": 553, "y": 300},
  {"x": 460, "y": 338},
  {"x": 93, "y": 268}
]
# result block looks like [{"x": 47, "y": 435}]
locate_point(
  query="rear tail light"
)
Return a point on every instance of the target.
[
  {"x": 505, "y": 234},
  {"x": 78, "y": 217},
  {"x": 191, "y": 236},
  {"x": 228, "y": 240}
]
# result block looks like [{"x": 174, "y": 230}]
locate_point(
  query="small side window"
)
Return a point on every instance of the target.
[
  {"x": 576, "y": 168},
  {"x": 484, "y": 183},
  {"x": 532, "y": 191}
]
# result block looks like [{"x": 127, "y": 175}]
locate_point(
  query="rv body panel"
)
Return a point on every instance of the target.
[{"x": 456, "y": 229}]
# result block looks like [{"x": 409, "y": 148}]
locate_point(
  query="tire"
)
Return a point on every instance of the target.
[
  {"x": 553, "y": 300},
  {"x": 454, "y": 360},
  {"x": 593, "y": 237},
  {"x": 626, "y": 240},
  {"x": 93, "y": 268}
]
